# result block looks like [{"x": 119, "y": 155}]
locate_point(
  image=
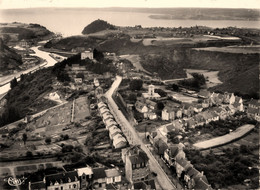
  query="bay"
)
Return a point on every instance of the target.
[{"x": 72, "y": 21}]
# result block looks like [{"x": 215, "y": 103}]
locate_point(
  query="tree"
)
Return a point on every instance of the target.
[
  {"x": 29, "y": 154},
  {"x": 24, "y": 138},
  {"x": 48, "y": 140},
  {"x": 13, "y": 83},
  {"x": 161, "y": 92},
  {"x": 160, "y": 105},
  {"x": 136, "y": 84},
  {"x": 175, "y": 87}
]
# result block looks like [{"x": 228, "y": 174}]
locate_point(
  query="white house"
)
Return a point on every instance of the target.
[
  {"x": 87, "y": 54},
  {"x": 112, "y": 176}
]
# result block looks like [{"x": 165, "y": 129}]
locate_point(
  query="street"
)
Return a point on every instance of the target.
[{"x": 133, "y": 137}]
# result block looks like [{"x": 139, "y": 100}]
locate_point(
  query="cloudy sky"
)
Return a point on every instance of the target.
[{"x": 7, "y": 4}]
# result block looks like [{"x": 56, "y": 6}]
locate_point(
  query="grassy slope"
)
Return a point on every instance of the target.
[
  {"x": 26, "y": 31},
  {"x": 9, "y": 59},
  {"x": 239, "y": 72},
  {"x": 27, "y": 95}
]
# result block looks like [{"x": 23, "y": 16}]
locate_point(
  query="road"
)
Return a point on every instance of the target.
[{"x": 133, "y": 137}]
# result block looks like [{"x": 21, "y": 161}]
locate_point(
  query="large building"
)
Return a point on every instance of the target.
[
  {"x": 151, "y": 94},
  {"x": 136, "y": 164}
]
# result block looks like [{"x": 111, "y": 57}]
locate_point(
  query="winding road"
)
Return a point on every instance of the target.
[{"x": 133, "y": 137}]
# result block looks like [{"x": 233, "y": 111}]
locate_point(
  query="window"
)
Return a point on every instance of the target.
[
  {"x": 83, "y": 176},
  {"x": 74, "y": 186},
  {"x": 69, "y": 186},
  {"x": 61, "y": 188},
  {"x": 57, "y": 188}
]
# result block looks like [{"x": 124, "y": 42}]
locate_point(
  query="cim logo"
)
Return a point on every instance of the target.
[{"x": 15, "y": 181}]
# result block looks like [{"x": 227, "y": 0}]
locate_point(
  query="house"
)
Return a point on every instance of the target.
[
  {"x": 151, "y": 105},
  {"x": 221, "y": 112},
  {"x": 151, "y": 94},
  {"x": 254, "y": 113},
  {"x": 103, "y": 110},
  {"x": 113, "y": 131},
  {"x": 141, "y": 107},
  {"x": 172, "y": 153},
  {"x": 101, "y": 105},
  {"x": 199, "y": 119},
  {"x": 160, "y": 146},
  {"x": 119, "y": 141},
  {"x": 182, "y": 164},
  {"x": 189, "y": 176},
  {"x": 190, "y": 123},
  {"x": 188, "y": 110},
  {"x": 39, "y": 185},
  {"x": 99, "y": 178},
  {"x": 168, "y": 113},
  {"x": 238, "y": 106},
  {"x": 136, "y": 164},
  {"x": 78, "y": 80},
  {"x": 151, "y": 137},
  {"x": 86, "y": 54},
  {"x": 206, "y": 103},
  {"x": 65, "y": 180},
  {"x": 150, "y": 115},
  {"x": 96, "y": 82},
  {"x": 201, "y": 182},
  {"x": 209, "y": 116},
  {"x": 146, "y": 184},
  {"x": 204, "y": 94},
  {"x": 106, "y": 116},
  {"x": 226, "y": 98},
  {"x": 214, "y": 99},
  {"x": 253, "y": 103},
  {"x": 198, "y": 108},
  {"x": 85, "y": 175},
  {"x": 109, "y": 123},
  {"x": 232, "y": 98},
  {"x": 113, "y": 176}
]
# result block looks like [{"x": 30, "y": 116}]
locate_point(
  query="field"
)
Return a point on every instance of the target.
[{"x": 233, "y": 49}]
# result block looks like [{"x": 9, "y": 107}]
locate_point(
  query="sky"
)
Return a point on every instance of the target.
[{"x": 9, "y": 4}]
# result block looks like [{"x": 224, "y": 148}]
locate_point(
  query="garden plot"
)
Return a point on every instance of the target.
[{"x": 81, "y": 109}]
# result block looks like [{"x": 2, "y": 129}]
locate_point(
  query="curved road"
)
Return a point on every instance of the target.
[{"x": 133, "y": 137}]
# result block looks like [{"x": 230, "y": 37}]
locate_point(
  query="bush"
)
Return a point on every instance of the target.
[{"x": 48, "y": 140}]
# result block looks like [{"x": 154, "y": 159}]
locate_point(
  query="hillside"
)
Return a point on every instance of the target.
[
  {"x": 97, "y": 26},
  {"x": 9, "y": 59},
  {"x": 238, "y": 71},
  {"x": 13, "y": 32}
]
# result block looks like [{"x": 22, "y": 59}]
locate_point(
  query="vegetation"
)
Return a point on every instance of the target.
[
  {"x": 48, "y": 140},
  {"x": 229, "y": 169},
  {"x": 196, "y": 82},
  {"x": 30, "y": 88},
  {"x": 96, "y": 26},
  {"x": 9, "y": 59},
  {"x": 136, "y": 84},
  {"x": 164, "y": 65},
  {"x": 99, "y": 67},
  {"x": 223, "y": 127}
]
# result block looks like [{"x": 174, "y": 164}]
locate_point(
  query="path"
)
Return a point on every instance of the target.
[
  {"x": 218, "y": 141},
  {"x": 133, "y": 137}
]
